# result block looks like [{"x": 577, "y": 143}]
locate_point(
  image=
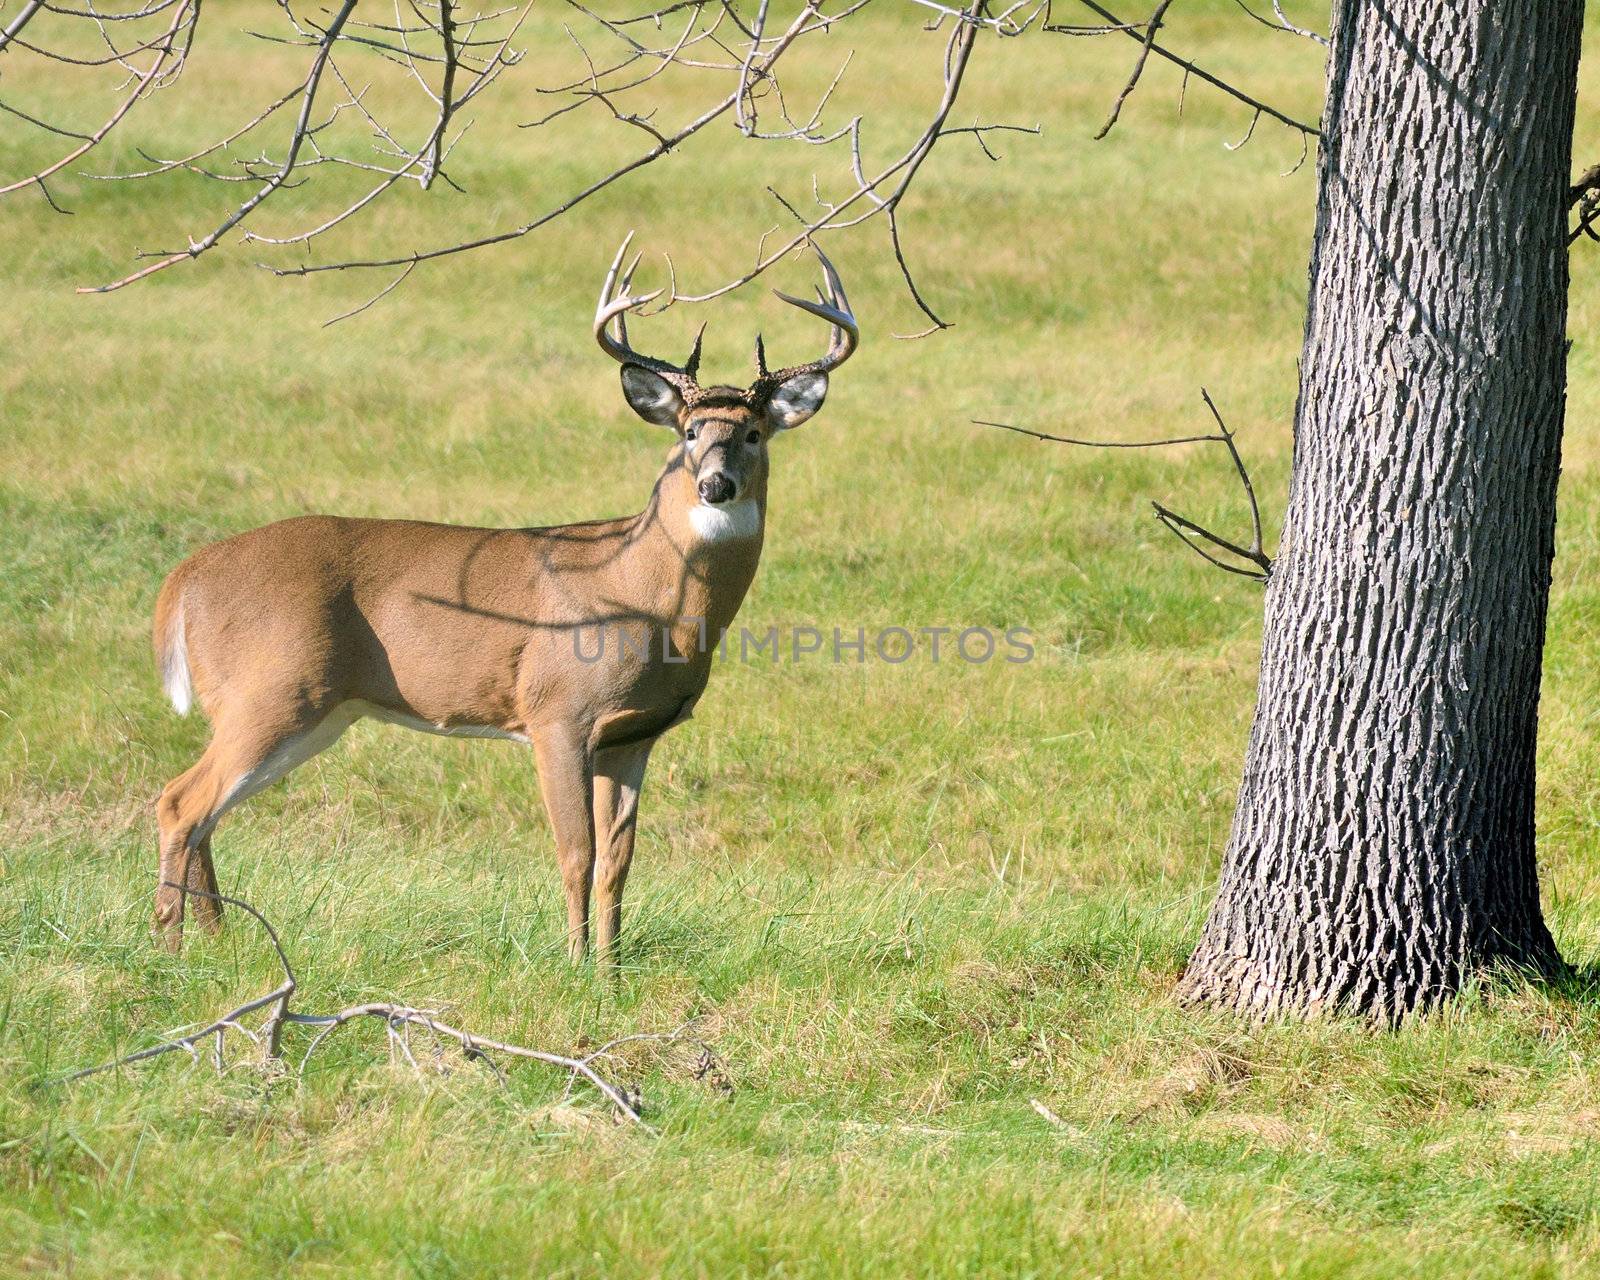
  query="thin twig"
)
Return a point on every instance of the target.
[
  {"x": 1131, "y": 30},
  {"x": 1095, "y": 444},
  {"x": 1283, "y": 24},
  {"x": 375, "y": 298},
  {"x": 1150, "y": 29},
  {"x": 143, "y": 85},
  {"x": 1184, "y": 528},
  {"x": 278, "y": 995}
]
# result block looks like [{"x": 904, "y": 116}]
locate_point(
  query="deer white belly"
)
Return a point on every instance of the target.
[{"x": 390, "y": 716}]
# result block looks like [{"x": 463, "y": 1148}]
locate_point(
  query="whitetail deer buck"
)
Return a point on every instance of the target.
[{"x": 288, "y": 634}]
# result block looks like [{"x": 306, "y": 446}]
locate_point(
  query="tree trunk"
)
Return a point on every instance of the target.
[{"x": 1382, "y": 848}]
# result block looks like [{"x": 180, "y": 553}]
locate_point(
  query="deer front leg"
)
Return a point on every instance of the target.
[
  {"x": 566, "y": 780},
  {"x": 618, "y": 777}
]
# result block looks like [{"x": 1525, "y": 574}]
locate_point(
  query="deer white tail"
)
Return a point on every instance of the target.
[{"x": 174, "y": 657}]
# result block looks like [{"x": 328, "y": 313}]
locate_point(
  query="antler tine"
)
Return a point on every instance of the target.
[
  {"x": 623, "y": 287},
  {"x": 834, "y": 332},
  {"x": 835, "y": 285},
  {"x": 615, "y": 303},
  {"x": 611, "y": 275},
  {"x": 691, "y": 366},
  {"x": 845, "y": 332}
]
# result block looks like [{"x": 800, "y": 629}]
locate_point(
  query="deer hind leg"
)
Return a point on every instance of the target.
[
  {"x": 179, "y": 813},
  {"x": 201, "y": 880},
  {"x": 618, "y": 778},
  {"x": 244, "y": 756},
  {"x": 566, "y": 781}
]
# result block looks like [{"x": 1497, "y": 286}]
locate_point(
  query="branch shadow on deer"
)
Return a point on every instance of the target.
[{"x": 696, "y": 568}]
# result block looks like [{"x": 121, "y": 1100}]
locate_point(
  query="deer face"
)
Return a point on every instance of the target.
[
  {"x": 725, "y": 447},
  {"x": 724, "y": 430}
]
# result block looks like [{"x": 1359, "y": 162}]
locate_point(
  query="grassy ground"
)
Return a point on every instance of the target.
[{"x": 904, "y": 902}]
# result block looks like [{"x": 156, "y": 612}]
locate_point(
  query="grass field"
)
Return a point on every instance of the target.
[{"x": 903, "y": 903}]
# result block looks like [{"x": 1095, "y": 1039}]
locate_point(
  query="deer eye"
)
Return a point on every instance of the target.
[{"x": 753, "y": 438}]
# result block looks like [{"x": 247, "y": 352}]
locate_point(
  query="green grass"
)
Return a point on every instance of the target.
[{"x": 904, "y": 903}]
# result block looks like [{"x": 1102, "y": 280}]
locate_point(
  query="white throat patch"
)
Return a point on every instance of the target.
[{"x": 722, "y": 524}]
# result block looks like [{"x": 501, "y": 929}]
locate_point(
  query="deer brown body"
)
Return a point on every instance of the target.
[{"x": 587, "y": 641}]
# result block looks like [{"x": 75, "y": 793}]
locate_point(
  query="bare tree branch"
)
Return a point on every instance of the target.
[
  {"x": 297, "y": 140},
  {"x": 837, "y": 214},
  {"x": 14, "y": 27},
  {"x": 450, "y": 53},
  {"x": 279, "y": 996},
  {"x": 1585, "y": 196},
  {"x": 1283, "y": 23},
  {"x": 1185, "y": 529},
  {"x": 806, "y": 22},
  {"x": 458, "y": 48},
  {"x": 1132, "y": 31},
  {"x": 188, "y": 161},
  {"x": 473, "y": 1046},
  {"x": 164, "y": 52},
  {"x": 1151, "y": 26}
]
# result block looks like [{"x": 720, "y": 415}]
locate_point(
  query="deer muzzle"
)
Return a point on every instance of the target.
[{"x": 717, "y": 488}]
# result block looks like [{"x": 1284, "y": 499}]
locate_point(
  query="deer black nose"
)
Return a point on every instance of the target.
[{"x": 716, "y": 489}]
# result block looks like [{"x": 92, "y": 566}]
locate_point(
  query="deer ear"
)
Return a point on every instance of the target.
[
  {"x": 796, "y": 400},
  {"x": 651, "y": 396}
]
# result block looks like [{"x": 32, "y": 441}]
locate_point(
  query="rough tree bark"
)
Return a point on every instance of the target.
[{"x": 1382, "y": 849}]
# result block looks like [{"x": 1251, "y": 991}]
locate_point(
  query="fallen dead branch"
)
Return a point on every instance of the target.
[{"x": 398, "y": 1021}]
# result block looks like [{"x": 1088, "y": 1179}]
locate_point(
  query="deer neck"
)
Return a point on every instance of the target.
[{"x": 699, "y": 560}]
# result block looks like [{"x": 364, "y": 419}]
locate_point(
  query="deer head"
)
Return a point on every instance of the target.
[{"x": 724, "y": 429}]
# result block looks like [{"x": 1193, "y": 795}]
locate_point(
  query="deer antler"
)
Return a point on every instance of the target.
[
  {"x": 833, "y": 307},
  {"x": 615, "y": 303}
]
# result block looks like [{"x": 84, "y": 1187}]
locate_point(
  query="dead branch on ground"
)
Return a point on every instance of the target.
[{"x": 398, "y": 1020}]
